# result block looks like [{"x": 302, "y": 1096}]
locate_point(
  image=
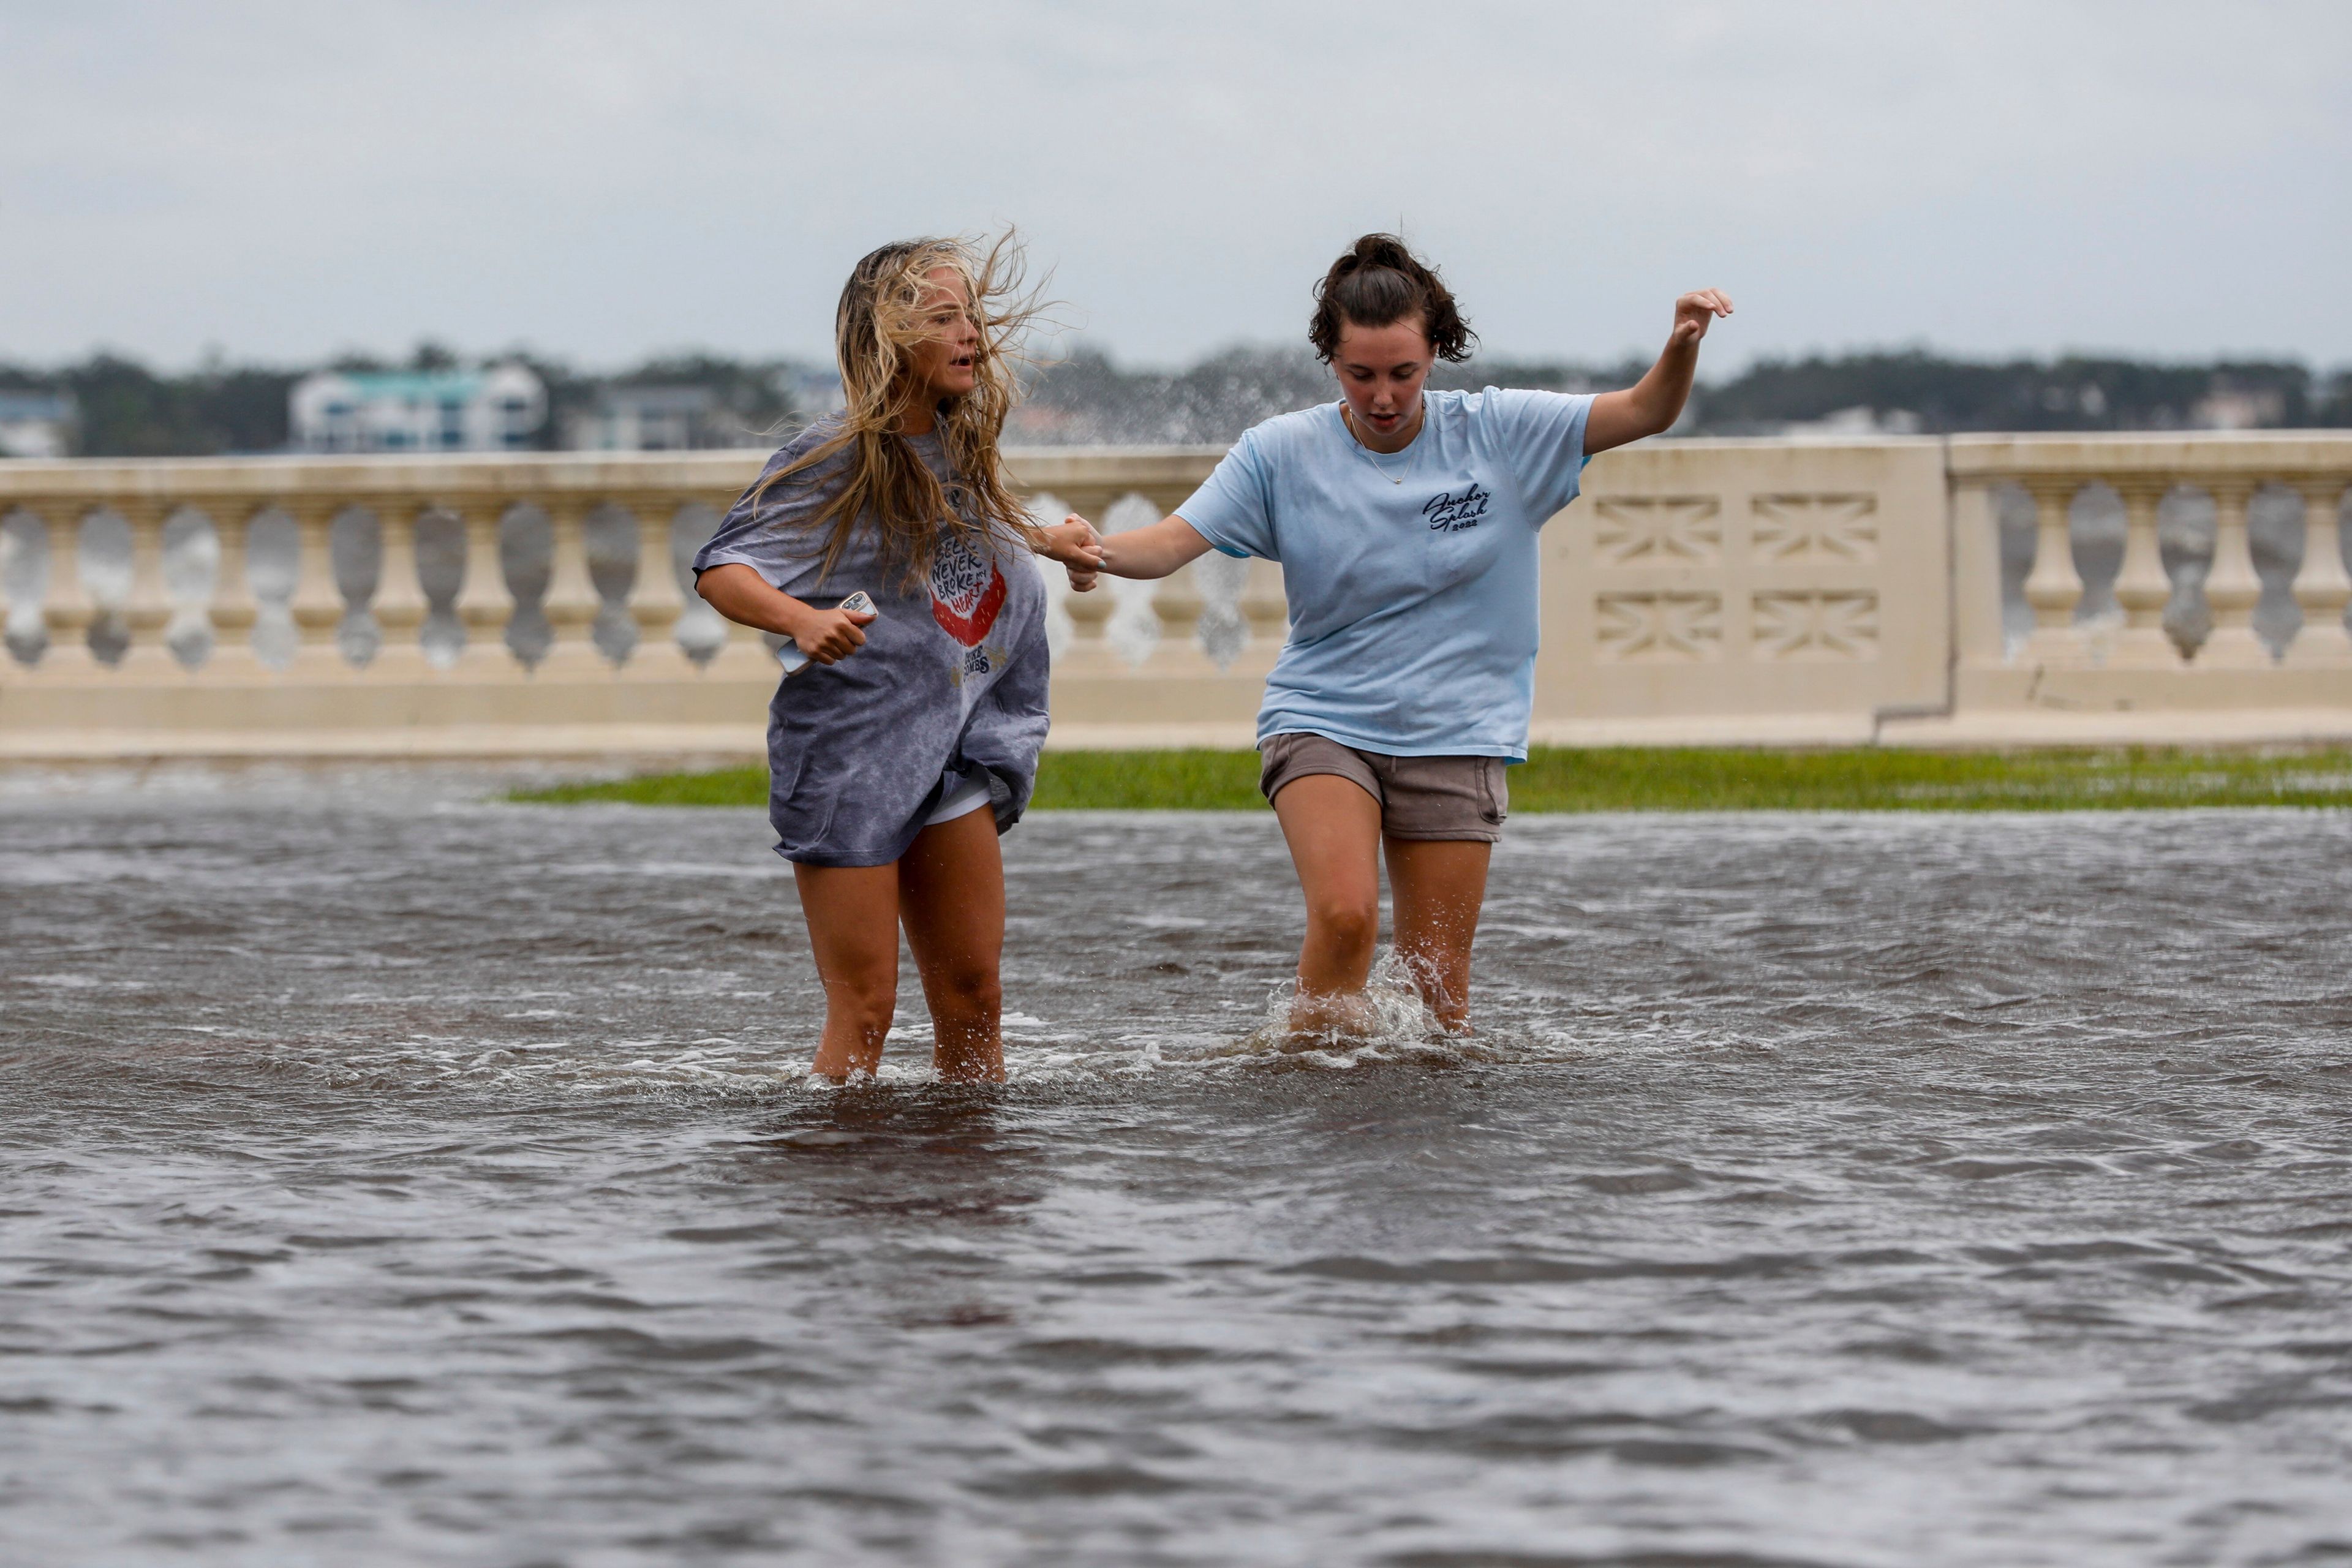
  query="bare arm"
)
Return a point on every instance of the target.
[
  {"x": 1155, "y": 549},
  {"x": 1652, "y": 404},
  {"x": 745, "y": 597}
]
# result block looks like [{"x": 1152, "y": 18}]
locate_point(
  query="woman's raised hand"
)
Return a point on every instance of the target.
[{"x": 1696, "y": 311}]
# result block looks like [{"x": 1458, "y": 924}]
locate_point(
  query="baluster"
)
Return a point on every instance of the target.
[
  {"x": 2322, "y": 586},
  {"x": 1090, "y": 614},
  {"x": 571, "y": 601},
  {"x": 66, "y": 607},
  {"x": 2233, "y": 586},
  {"x": 2054, "y": 588},
  {"x": 655, "y": 602},
  {"x": 399, "y": 603},
  {"x": 147, "y": 611},
  {"x": 317, "y": 604},
  {"x": 483, "y": 605},
  {"x": 234, "y": 607},
  {"x": 2142, "y": 587},
  {"x": 1176, "y": 599}
]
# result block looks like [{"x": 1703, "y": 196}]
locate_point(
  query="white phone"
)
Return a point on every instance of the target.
[{"x": 791, "y": 657}]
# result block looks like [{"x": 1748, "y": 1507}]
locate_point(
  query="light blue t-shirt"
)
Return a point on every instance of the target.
[{"x": 1411, "y": 576}]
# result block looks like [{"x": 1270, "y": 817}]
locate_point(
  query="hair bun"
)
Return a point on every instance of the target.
[{"x": 1380, "y": 281}]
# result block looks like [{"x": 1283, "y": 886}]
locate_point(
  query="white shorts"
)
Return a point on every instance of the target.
[{"x": 965, "y": 794}]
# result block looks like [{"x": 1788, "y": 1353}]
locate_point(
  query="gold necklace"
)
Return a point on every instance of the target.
[{"x": 1349, "y": 420}]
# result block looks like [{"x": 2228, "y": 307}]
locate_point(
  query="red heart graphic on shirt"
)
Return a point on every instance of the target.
[{"x": 968, "y": 619}]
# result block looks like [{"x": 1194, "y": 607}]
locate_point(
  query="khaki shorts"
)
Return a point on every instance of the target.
[{"x": 1420, "y": 797}]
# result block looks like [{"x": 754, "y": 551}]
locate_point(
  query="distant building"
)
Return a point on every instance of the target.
[
  {"x": 36, "y": 424},
  {"x": 815, "y": 390},
  {"x": 643, "y": 419},
  {"x": 2239, "y": 408},
  {"x": 636, "y": 418},
  {"x": 499, "y": 408}
]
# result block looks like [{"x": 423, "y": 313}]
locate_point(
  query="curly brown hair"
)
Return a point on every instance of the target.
[{"x": 1379, "y": 282}]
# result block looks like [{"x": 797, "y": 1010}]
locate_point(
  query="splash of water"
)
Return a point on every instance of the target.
[{"x": 1387, "y": 1022}]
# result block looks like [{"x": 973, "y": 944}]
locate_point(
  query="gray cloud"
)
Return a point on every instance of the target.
[{"x": 604, "y": 179}]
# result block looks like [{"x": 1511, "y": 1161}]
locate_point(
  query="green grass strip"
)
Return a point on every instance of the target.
[{"x": 1661, "y": 779}]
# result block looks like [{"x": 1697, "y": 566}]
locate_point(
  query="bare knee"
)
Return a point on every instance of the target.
[{"x": 1346, "y": 924}]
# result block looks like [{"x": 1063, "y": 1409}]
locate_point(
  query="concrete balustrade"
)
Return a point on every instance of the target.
[
  {"x": 560, "y": 619},
  {"x": 1749, "y": 592},
  {"x": 2190, "y": 660}
]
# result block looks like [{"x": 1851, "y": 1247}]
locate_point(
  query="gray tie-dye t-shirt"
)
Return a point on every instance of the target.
[{"x": 952, "y": 678}]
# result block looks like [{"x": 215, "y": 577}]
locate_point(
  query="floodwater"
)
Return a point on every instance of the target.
[{"x": 391, "y": 1178}]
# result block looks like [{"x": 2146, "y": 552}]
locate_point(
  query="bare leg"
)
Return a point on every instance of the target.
[
  {"x": 853, "y": 926},
  {"x": 1439, "y": 885},
  {"x": 1333, "y": 827},
  {"x": 951, "y": 902}
]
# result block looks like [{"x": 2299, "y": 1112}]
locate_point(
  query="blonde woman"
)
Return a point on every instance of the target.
[
  {"x": 906, "y": 739},
  {"x": 1406, "y": 522}
]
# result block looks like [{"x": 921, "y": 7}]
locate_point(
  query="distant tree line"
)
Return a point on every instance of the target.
[
  {"x": 125, "y": 410},
  {"x": 128, "y": 410},
  {"x": 2073, "y": 392}
]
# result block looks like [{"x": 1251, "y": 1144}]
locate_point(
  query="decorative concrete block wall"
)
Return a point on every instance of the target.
[{"x": 1746, "y": 591}]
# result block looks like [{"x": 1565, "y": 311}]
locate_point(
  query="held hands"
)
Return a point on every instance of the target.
[
  {"x": 1695, "y": 312},
  {"x": 827, "y": 635},
  {"x": 1074, "y": 542}
]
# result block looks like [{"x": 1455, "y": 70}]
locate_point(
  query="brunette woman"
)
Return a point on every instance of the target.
[
  {"x": 1406, "y": 522},
  {"x": 907, "y": 738}
]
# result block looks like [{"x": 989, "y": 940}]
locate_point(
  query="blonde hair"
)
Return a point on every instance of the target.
[{"x": 885, "y": 312}]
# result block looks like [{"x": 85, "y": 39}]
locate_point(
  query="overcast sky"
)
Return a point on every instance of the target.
[{"x": 602, "y": 180}]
